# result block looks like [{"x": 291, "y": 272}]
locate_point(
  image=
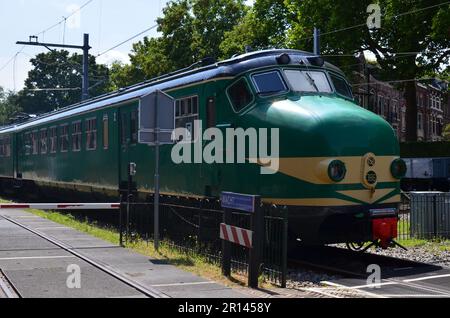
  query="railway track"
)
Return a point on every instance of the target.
[
  {"x": 9, "y": 290},
  {"x": 410, "y": 277}
]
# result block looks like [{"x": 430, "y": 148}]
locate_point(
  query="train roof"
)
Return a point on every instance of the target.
[{"x": 227, "y": 68}]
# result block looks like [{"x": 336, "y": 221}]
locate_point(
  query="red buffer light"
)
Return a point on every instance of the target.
[{"x": 385, "y": 230}]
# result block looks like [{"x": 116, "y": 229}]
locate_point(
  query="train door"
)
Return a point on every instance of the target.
[
  {"x": 16, "y": 145},
  {"x": 215, "y": 173},
  {"x": 128, "y": 140}
]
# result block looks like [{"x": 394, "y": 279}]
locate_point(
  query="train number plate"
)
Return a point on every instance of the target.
[{"x": 383, "y": 212}]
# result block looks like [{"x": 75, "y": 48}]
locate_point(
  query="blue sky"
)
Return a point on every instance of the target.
[{"x": 107, "y": 21}]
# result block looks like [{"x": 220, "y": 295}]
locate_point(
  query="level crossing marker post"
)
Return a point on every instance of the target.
[
  {"x": 250, "y": 204},
  {"x": 226, "y": 247}
]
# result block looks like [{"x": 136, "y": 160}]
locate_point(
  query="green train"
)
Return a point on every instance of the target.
[{"x": 339, "y": 167}]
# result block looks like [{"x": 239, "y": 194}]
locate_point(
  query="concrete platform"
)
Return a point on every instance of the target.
[{"x": 38, "y": 268}]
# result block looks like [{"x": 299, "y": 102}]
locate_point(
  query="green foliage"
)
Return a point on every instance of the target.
[
  {"x": 264, "y": 26},
  {"x": 212, "y": 19},
  {"x": 8, "y": 106},
  {"x": 421, "y": 31},
  {"x": 191, "y": 30},
  {"x": 147, "y": 60},
  {"x": 59, "y": 69},
  {"x": 446, "y": 133}
]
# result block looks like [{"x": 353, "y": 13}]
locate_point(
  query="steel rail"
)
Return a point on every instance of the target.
[
  {"x": 7, "y": 287},
  {"x": 148, "y": 291},
  {"x": 376, "y": 259}
]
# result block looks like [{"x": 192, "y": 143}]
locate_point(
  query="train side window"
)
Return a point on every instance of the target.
[
  {"x": 124, "y": 129},
  {"x": 64, "y": 138},
  {"x": 53, "y": 139},
  {"x": 27, "y": 143},
  {"x": 211, "y": 112},
  {"x": 43, "y": 146},
  {"x": 187, "y": 112},
  {"x": 5, "y": 146},
  {"x": 341, "y": 86},
  {"x": 2, "y": 147},
  {"x": 76, "y": 136},
  {"x": 91, "y": 134},
  {"x": 105, "y": 132},
  {"x": 240, "y": 95},
  {"x": 35, "y": 142},
  {"x": 134, "y": 127},
  {"x": 8, "y": 146}
]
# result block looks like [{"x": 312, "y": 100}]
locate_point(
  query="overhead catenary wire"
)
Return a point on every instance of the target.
[
  {"x": 57, "y": 89},
  {"x": 64, "y": 19},
  {"x": 12, "y": 59},
  {"x": 128, "y": 40},
  {"x": 398, "y": 81}
]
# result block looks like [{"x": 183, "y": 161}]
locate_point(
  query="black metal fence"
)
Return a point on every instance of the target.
[
  {"x": 195, "y": 230},
  {"x": 424, "y": 216}
]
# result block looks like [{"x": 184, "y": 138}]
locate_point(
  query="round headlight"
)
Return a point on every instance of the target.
[
  {"x": 398, "y": 168},
  {"x": 337, "y": 171}
]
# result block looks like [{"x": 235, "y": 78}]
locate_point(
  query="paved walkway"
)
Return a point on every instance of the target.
[{"x": 38, "y": 268}]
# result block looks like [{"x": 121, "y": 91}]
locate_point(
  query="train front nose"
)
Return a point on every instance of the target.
[
  {"x": 325, "y": 126},
  {"x": 315, "y": 133}
]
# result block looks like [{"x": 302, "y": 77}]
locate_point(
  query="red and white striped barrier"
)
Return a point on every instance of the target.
[
  {"x": 236, "y": 235},
  {"x": 65, "y": 206}
]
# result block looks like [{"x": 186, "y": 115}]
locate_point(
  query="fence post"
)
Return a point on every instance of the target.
[
  {"x": 435, "y": 221},
  {"x": 226, "y": 247},
  {"x": 121, "y": 221},
  {"x": 131, "y": 173},
  {"x": 284, "y": 248},
  {"x": 255, "y": 259}
]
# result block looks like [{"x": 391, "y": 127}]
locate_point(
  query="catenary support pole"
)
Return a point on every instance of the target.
[
  {"x": 85, "y": 47},
  {"x": 156, "y": 211}
]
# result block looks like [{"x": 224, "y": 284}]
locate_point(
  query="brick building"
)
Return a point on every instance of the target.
[{"x": 433, "y": 104}]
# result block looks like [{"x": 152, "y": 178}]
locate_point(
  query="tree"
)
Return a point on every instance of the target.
[
  {"x": 264, "y": 26},
  {"x": 8, "y": 106},
  {"x": 190, "y": 31},
  {"x": 211, "y": 20},
  {"x": 446, "y": 133},
  {"x": 412, "y": 41},
  {"x": 148, "y": 60},
  {"x": 59, "y": 70}
]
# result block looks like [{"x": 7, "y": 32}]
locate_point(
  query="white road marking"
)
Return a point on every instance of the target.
[
  {"x": 403, "y": 269},
  {"x": 184, "y": 284},
  {"x": 339, "y": 286},
  {"x": 34, "y": 257},
  {"x": 425, "y": 278},
  {"x": 417, "y": 295},
  {"x": 360, "y": 286}
]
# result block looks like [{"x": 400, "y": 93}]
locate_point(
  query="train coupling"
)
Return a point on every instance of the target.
[
  {"x": 384, "y": 226},
  {"x": 385, "y": 231}
]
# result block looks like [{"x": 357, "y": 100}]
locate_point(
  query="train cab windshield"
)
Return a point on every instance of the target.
[
  {"x": 341, "y": 86},
  {"x": 308, "y": 81},
  {"x": 269, "y": 83}
]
